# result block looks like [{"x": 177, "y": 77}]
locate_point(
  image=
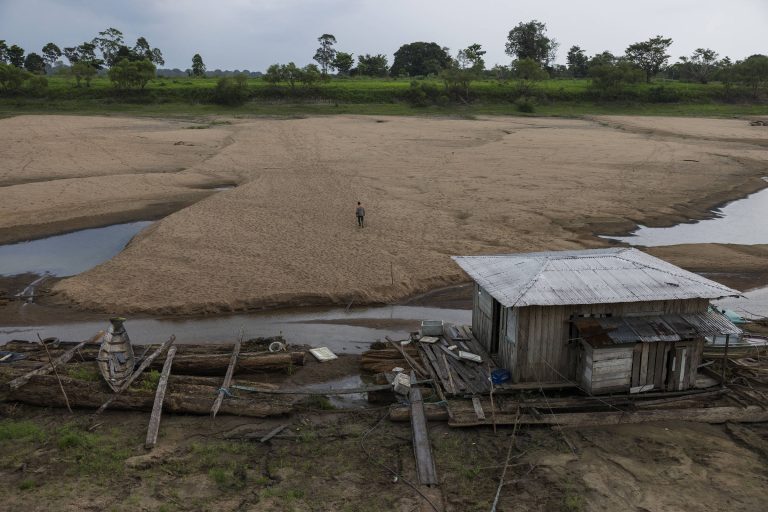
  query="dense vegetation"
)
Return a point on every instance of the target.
[{"x": 105, "y": 70}]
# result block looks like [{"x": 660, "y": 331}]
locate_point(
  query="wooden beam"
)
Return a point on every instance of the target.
[
  {"x": 49, "y": 366},
  {"x": 227, "y": 378},
  {"x": 272, "y": 433},
  {"x": 157, "y": 407},
  {"x": 411, "y": 361},
  {"x": 135, "y": 375},
  {"x": 425, "y": 464},
  {"x": 478, "y": 408}
]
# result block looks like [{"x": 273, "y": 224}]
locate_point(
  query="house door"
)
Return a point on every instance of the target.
[{"x": 496, "y": 327}]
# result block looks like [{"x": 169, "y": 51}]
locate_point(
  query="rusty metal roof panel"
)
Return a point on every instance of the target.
[
  {"x": 595, "y": 276},
  {"x": 654, "y": 328}
]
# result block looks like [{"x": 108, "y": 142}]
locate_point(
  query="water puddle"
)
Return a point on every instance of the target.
[
  {"x": 342, "y": 331},
  {"x": 740, "y": 222},
  {"x": 346, "y": 401},
  {"x": 68, "y": 254}
]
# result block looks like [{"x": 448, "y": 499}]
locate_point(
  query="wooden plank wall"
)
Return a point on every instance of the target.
[
  {"x": 543, "y": 352},
  {"x": 481, "y": 318},
  {"x": 508, "y": 342},
  {"x": 651, "y": 364}
]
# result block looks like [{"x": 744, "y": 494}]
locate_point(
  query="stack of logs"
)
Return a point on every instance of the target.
[{"x": 192, "y": 387}]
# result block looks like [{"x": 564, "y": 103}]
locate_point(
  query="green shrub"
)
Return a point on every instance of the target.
[{"x": 231, "y": 91}]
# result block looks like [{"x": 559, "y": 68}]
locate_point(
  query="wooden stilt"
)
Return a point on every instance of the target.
[{"x": 157, "y": 408}]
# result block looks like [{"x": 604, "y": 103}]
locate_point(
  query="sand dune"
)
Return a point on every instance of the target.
[{"x": 431, "y": 188}]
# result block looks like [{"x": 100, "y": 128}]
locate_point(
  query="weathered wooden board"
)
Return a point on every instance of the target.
[
  {"x": 425, "y": 464},
  {"x": 157, "y": 408}
]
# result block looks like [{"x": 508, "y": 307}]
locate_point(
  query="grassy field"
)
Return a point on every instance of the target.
[{"x": 194, "y": 97}]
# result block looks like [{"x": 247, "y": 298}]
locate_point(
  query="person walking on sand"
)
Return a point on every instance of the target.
[{"x": 360, "y": 212}]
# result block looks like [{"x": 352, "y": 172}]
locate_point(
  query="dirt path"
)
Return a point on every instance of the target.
[{"x": 287, "y": 234}]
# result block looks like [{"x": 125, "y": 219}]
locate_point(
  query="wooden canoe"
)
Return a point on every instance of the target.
[{"x": 116, "y": 360}]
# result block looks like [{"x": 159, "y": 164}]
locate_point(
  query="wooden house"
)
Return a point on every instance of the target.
[{"x": 611, "y": 320}]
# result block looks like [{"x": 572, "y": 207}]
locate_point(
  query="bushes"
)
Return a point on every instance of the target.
[
  {"x": 423, "y": 94},
  {"x": 231, "y": 91}
]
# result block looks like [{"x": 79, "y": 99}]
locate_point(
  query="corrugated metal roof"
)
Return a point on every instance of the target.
[
  {"x": 651, "y": 328},
  {"x": 594, "y": 276}
]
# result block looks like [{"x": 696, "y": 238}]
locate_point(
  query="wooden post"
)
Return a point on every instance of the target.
[
  {"x": 227, "y": 378},
  {"x": 425, "y": 464},
  {"x": 724, "y": 362},
  {"x": 47, "y": 368},
  {"x": 162, "y": 348},
  {"x": 157, "y": 407},
  {"x": 56, "y": 372}
]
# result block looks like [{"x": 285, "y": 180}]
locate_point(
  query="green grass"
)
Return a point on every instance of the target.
[
  {"x": 12, "y": 430},
  {"x": 191, "y": 98}
]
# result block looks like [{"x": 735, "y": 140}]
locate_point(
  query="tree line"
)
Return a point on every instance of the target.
[{"x": 531, "y": 49}]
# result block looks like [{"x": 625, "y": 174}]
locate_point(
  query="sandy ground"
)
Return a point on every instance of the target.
[{"x": 287, "y": 235}]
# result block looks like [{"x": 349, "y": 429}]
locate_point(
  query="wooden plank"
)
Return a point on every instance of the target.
[
  {"x": 49, "y": 366},
  {"x": 636, "y": 358},
  {"x": 272, "y": 433},
  {"x": 453, "y": 388},
  {"x": 612, "y": 353},
  {"x": 618, "y": 374},
  {"x": 227, "y": 378},
  {"x": 652, "y": 347},
  {"x": 658, "y": 372},
  {"x": 478, "y": 408},
  {"x": 425, "y": 464},
  {"x": 613, "y": 364},
  {"x": 430, "y": 363},
  {"x": 644, "y": 365},
  {"x": 411, "y": 361},
  {"x": 144, "y": 365},
  {"x": 157, "y": 408}
]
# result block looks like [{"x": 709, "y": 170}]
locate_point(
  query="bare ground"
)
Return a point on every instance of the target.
[
  {"x": 286, "y": 235},
  {"x": 51, "y": 461}
]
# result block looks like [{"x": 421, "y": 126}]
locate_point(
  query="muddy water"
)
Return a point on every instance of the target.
[
  {"x": 341, "y": 331},
  {"x": 744, "y": 222},
  {"x": 67, "y": 254}
]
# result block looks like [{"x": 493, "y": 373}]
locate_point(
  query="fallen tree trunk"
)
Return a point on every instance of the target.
[
  {"x": 217, "y": 364},
  {"x": 180, "y": 397}
]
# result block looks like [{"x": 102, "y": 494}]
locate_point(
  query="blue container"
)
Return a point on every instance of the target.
[{"x": 500, "y": 375}]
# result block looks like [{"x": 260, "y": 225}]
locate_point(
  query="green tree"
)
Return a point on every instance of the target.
[
  {"x": 51, "y": 53},
  {"x": 128, "y": 74},
  {"x": 609, "y": 78},
  {"x": 471, "y": 57},
  {"x": 530, "y": 41},
  {"x": 83, "y": 70},
  {"x": 343, "y": 62},
  {"x": 34, "y": 63},
  {"x": 309, "y": 75},
  {"x": 143, "y": 51},
  {"x": 700, "y": 66},
  {"x": 578, "y": 62},
  {"x": 3, "y": 52},
  {"x": 109, "y": 43},
  {"x": 372, "y": 65},
  {"x": 649, "y": 55},
  {"x": 274, "y": 74},
  {"x": 15, "y": 56},
  {"x": 198, "y": 66},
  {"x": 753, "y": 72},
  {"x": 86, "y": 52},
  {"x": 420, "y": 59},
  {"x": 528, "y": 72},
  {"x": 326, "y": 53},
  {"x": 11, "y": 77}
]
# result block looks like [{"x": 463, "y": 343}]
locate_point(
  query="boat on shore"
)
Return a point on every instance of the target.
[{"x": 116, "y": 359}]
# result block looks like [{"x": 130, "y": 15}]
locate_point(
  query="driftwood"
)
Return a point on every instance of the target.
[
  {"x": 157, "y": 407},
  {"x": 180, "y": 397},
  {"x": 49, "y": 366},
  {"x": 227, "y": 378},
  {"x": 432, "y": 412}
]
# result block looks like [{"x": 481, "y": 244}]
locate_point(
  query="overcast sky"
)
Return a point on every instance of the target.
[{"x": 252, "y": 34}]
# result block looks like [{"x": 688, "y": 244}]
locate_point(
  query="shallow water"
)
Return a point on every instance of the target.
[
  {"x": 68, "y": 254},
  {"x": 744, "y": 222},
  {"x": 754, "y": 305},
  {"x": 305, "y": 327}
]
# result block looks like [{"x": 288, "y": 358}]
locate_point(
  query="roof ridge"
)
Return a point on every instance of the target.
[
  {"x": 693, "y": 276},
  {"x": 531, "y": 282}
]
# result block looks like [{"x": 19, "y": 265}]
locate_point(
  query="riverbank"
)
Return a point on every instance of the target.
[{"x": 285, "y": 236}]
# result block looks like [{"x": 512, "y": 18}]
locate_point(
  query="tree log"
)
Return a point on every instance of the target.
[
  {"x": 179, "y": 398},
  {"x": 217, "y": 364}
]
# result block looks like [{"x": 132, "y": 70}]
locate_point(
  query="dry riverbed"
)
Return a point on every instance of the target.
[{"x": 432, "y": 188}]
